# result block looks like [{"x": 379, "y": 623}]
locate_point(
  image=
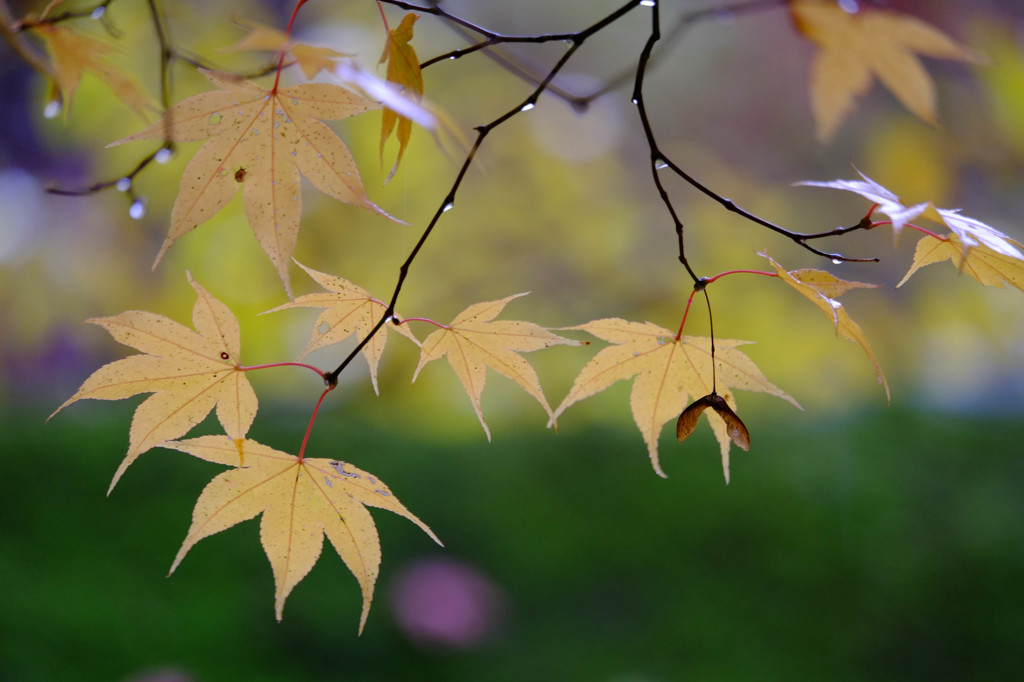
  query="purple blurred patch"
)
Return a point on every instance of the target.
[{"x": 445, "y": 603}]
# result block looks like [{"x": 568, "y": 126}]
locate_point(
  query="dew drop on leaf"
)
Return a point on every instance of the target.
[
  {"x": 215, "y": 118},
  {"x": 52, "y": 109},
  {"x": 659, "y": 164},
  {"x": 527, "y": 106},
  {"x": 836, "y": 261},
  {"x": 164, "y": 155},
  {"x": 648, "y": 3},
  {"x": 98, "y": 12},
  {"x": 124, "y": 184},
  {"x": 447, "y": 207}
]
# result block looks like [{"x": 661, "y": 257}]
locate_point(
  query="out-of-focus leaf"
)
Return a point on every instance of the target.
[
  {"x": 311, "y": 59},
  {"x": 871, "y": 43},
  {"x": 74, "y": 54},
  {"x": 403, "y": 70}
]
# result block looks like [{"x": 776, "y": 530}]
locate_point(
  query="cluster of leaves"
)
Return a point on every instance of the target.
[{"x": 262, "y": 140}]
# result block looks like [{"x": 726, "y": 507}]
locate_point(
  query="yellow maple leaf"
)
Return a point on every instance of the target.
[
  {"x": 872, "y": 43},
  {"x": 822, "y": 289},
  {"x": 403, "y": 70},
  {"x": 261, "y": 141},
  {"x": 312, "y": 59},
  {"x": 988, "y": 266},
  {"x": 301, "y": 500},
  {"x": 188, "y": 372},
  {"x": 73, "y": 54},
  {"x": 667, "y": 371},
  {"x": 349, "y": 309},
  {"x": 985, "y": 253},
  {"x": 474, "y": 341}
]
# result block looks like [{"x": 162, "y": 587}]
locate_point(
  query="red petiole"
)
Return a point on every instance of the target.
[{"x": 701, "y": 284}]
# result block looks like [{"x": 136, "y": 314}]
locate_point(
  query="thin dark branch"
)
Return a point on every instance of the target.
[
  {"x": 449, "y": 201},
  {"x": 658, "y": 161},
  {"x": 580, "y": 102}
]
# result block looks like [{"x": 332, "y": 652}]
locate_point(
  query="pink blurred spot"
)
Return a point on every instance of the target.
[{"x": 445, "y": 603}]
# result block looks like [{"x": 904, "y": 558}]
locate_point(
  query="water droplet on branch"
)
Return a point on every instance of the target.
[{"x": 137, "y": 210}]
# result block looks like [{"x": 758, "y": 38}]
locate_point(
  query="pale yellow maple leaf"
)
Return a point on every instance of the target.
[
  {"x": 475, "y": 341},
  {"x": 988, "y": 266},
  {"x": 349, "y": 309},
  {"x": 260, "y": 141},
  {"x": 871, "y": 43},
  {"x": 188, "y": 372},
  {"x": 74, "y": 54},
  {"x": 822, "y": 289},
  {"x": 301, "y": 501},
  {"x": 668, "y": 373}
]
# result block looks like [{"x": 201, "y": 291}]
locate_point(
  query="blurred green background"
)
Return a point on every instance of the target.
[
  {"x": 856, "y": 541},
  {"x": 887, "y": 545}
]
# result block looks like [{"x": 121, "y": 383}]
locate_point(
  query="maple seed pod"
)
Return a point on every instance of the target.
[{"x": 688, "y": 420}]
